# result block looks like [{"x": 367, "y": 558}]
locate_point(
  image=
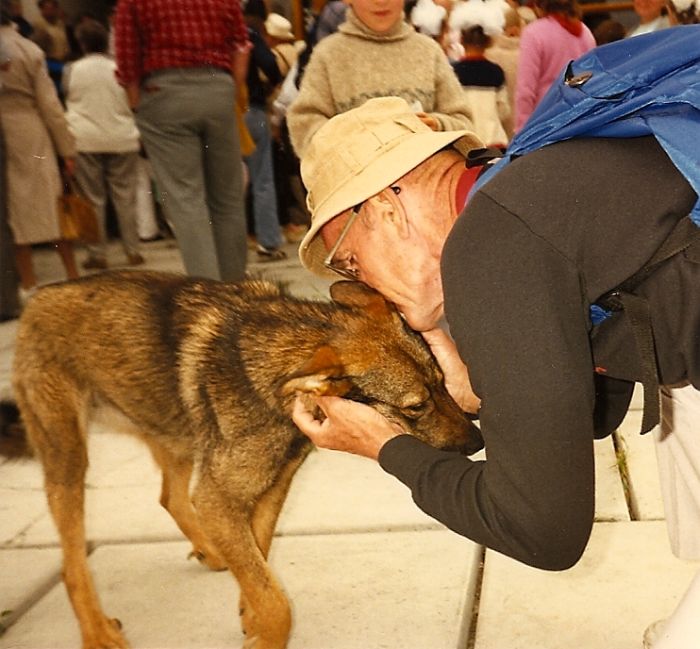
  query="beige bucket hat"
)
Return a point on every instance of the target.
[{"x": 357, "y": 154}]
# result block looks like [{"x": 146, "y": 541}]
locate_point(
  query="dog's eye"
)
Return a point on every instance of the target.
[{"x": 417, "y": 410}]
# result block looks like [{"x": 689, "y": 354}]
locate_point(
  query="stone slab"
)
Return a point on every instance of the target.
[
  {"x": 25, "y": 577},
  {"x": 626, "y": 580},
  {"x": 408, "y": 590}
]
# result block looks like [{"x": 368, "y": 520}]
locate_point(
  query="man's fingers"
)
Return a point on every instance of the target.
[{"x": 302, "y": 417}]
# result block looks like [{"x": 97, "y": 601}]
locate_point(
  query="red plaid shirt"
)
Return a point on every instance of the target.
[{"x": 156, "y": 34}]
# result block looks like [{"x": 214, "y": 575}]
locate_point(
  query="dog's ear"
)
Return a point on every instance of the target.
[
  {"x": 322, "y": 375},
  {"x": 358, "y": 294}
]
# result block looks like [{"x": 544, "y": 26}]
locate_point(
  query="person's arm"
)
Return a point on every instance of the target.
[
  {"x": 51, "y": 111},
  {"x": 516, "y": 313},
  {"x": 527, "y": 79},
  {"x": 264, "y": 59},
  {"x": 128, "y": 50},
  {"x": 314, "y": 105},
  {"x": 450, "y": 111}
]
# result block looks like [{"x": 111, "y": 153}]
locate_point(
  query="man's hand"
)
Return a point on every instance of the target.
[
  {"x": 455, "y": 371},
  {"x": 429, "y": 121},
  {"x": 349, "y": 426}
]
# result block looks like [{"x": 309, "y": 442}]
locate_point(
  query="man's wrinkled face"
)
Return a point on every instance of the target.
[{"x": 390, "y": 256}]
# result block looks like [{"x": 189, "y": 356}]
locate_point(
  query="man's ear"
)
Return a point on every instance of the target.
[
  {"x": 387, "y": 208},
  {"x": 321, "y": 375}
]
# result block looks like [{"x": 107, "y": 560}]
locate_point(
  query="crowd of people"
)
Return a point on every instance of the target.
[
  {"x": 482, "y": 65},
  {"x": 254, "y": 134}
]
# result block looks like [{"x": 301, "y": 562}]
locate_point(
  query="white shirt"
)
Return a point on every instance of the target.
[{"x": 97, "y": 109}]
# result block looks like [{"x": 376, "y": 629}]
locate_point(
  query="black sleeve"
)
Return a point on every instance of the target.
[
  {"x": 264, "y": 59},
  {"x": 516, "y": 312}
]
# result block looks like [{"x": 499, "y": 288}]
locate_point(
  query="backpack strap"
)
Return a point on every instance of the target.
[{"x": 623, "y": 298}]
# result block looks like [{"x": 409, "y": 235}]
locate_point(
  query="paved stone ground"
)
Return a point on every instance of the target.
[{"x": 364, "y": 568}]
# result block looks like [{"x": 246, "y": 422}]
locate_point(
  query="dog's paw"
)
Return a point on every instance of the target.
[
  {"x": 108, "y": 636},
  {"x": 208, "y": 559}
]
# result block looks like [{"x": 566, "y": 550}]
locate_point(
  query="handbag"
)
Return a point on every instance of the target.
[{"x": 76, "y": 215}]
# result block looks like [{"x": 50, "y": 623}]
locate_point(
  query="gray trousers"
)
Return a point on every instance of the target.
[
  {"x": 117, "y": 174},
  {"x": 188, "y": 127}
]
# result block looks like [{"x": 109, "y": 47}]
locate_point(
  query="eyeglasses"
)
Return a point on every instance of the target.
[
  {"x": 346, "y": 271},
  {"x": 343, "y": 271}
]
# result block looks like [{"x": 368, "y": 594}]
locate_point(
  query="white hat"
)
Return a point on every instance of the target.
[
  {"x": 357, "y": 154},
  {"x": 489, "y": 15},
  {"x": 427, "y": 17},
  {"x": 279, "y": 27},
  {"x": 690, "y": 6}
]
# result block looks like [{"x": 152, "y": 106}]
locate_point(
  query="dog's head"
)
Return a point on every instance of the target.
[{"x": 374, "y": 357}]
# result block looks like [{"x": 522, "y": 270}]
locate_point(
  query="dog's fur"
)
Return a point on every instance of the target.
[{"x": 207, "y": 373}]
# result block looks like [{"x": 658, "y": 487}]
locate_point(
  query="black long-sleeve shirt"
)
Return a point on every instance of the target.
[
  {"x": 263, "y": 73},
  {"x": 539, "y": 243}
]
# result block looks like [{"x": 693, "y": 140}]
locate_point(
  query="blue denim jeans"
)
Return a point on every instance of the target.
[{"x": 262, "y": 180}]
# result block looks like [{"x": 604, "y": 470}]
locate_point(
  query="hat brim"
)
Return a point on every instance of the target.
[{"x": 387, "y": 168}]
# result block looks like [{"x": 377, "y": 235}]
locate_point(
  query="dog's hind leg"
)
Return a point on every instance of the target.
[
  {"x": 55, "y": 421},
  {"x": 226, "y": 518},
  {"x": 175, "y": 498}
]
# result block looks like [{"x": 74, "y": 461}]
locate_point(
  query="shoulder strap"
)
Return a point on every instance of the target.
[{"x": 622, "y": 298}]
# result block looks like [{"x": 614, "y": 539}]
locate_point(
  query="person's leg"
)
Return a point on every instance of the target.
[
  {"x": 65, "y": 252},
  {"x": 90, "y": 176},
  {"x": 682, "y": 629},
  {"x": 678, "y": 457},
  {"x": 25, "y": 267},
  {"x": 169, "y": 123},
  {"x": 677, "y": 440},
  {"x": 223, "y": 179},
  {"x": 122, "y": 179},
  {"x": 267, "y": 227},
  {"x": 146, "y": 221}
]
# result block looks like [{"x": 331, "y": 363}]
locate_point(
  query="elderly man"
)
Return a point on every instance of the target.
[{"x": 515, "y": 275}]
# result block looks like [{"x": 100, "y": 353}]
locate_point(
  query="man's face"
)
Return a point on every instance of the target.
[
  {"x": 391, "y": 256},
  {"x": 379, "y": 15}
]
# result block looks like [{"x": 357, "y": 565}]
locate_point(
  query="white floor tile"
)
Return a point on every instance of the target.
[
  {"x": 406, "y": 590},
  {"x": 338, "y": 492},
  {"x": 25, "y": 576},
  {"x": 627, "y": 579},
  {"x": 611, "y": 504},
  {"x": 642, "y": 467}
]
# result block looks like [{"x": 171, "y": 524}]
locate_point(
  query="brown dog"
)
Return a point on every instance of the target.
[{"x": 207, "y": 373}]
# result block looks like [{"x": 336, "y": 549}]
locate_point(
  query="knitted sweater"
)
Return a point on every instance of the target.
[{"x": 356, "y": 64}]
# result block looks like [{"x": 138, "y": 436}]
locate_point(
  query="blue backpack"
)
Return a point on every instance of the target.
[{"x": 645, "y": 85}]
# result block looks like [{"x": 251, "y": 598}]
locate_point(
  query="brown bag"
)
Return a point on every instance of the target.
[{"x": 76, "y": 216}]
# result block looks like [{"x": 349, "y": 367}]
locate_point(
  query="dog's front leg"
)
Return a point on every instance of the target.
[{"x": 267, "y": 617}]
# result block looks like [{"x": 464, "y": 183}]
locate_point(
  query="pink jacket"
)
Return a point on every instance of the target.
[{"x": 545, "y": 49}]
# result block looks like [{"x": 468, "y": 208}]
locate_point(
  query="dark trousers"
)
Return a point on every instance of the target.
[{"x": 9, "y": 279}]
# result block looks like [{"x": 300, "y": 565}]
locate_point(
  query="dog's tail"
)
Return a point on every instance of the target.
[{"x": 13, "y": 436}]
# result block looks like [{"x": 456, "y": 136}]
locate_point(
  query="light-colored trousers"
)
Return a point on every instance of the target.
[
  {"x": 111, "y": 174},
  {"x": 678, "y": 455},
  {"x": 188, "y": 128}
]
